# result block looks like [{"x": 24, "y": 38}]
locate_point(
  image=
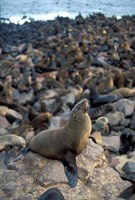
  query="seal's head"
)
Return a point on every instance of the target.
[
  {"x": 20, "y": 142},
  {"x": 79, "y": 111}
]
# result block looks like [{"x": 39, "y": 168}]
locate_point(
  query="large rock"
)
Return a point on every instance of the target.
[
  {"x": 125, "y": 165},
  {"x": 129, "y": 168},
  {"x": 126, "y": 106},
  {"x": 4, "y": 122},
  {"x": 115, "y": 118},
  {"x": 34, "y": 174}
]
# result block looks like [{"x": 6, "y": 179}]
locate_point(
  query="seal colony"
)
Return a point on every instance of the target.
[
  {"x": 44, "y": 74},
  {"x": 66, "y": 142}
]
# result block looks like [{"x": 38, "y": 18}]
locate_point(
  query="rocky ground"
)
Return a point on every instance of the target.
[{"x": 46, "y": 68}]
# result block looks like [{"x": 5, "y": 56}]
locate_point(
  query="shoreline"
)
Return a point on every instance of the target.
[{"x": 40, "y": 10}]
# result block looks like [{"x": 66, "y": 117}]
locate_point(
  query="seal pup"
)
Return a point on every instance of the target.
[
  {"x": 11, "y": 140},
  {"x": 64, "y": 143}
]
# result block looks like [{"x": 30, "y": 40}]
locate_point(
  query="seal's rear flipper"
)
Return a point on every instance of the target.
[
  {"x": 70, "y": 168},
  {"x": 7, "y": 154},
  {"x": 24, "y": 151}
]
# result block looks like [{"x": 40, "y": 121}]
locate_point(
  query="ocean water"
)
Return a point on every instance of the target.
[{"x": 49, "y": 9}]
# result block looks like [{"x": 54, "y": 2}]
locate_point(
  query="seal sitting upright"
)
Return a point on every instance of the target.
[{"x": 66, "y": 142}]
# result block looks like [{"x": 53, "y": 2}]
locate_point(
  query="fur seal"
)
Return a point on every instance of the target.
[
  {"x": 66, "y": 142},
  {"x": 11, "y": 140},
  {"x": 127, "y": 143},
  {"x": 107, "y": 85},
  {"x": 119, "y": 78},
  {"x": 7, "y": 141},
  {"x": 124, "y": 92},
  {"x": 25, "y": 82},
  {"x": 101, "y": 110},
  {"x": 98, "y": 99},
  {"x": 102, "y": 125}
]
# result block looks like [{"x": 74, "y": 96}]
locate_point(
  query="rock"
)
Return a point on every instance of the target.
[
  {"x": 52, "y": 105},
  {"x": 3, "y": 196},
  {"x": 128, "y": 131},
  {"x": 69, "y": 98},
  {"x": 126, "y": 106},
  {"x": 25, "y": 196},
  {"x": 57, "y": 121},
  {"x": 4, "y": 123},
  {"x": 3, "y": 131},
  {"x": 117, "y": 128},
  {"x": 7, "y": 176},
  {"x": 129, "y": 171},
  {"x": 115, "y": 117},
  {"x": 9, "y": 187},
  {"x": 25, "y": 97},
  {"x": 34, "y": 174},
  {"x": 129, "y": 168},
  {"x": 119, "y": 161},
  {"x": 132, "y": 124},
  {"x": 112, "y": 142},
  {"x": 125, "y": 122},
  {"x": 3, "y": 110}
]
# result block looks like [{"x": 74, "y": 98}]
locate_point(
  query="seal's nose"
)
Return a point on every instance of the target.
[{"x": 85, "y": 105}]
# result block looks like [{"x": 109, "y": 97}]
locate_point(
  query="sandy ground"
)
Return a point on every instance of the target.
[{"x": 43, "y": 9}]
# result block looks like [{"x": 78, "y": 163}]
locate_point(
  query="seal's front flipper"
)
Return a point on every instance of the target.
[{"x": 70, "y": 168}]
